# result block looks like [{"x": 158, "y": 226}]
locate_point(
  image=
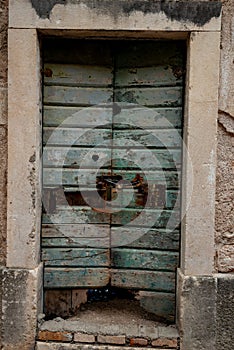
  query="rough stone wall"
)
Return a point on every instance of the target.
[
  {"x": 3, "y": 138},
  {"x": 3, "y": 125},
  {"x": 225, "y": 154}
]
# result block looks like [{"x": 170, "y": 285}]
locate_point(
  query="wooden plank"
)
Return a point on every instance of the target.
[
  {"x": 74, "y": 156},
  {"x": 55, "y": 198},
  {"x": 133, "y": 199},
  {"x": 148, "y": 138},
  {"x": 146, "y": 159},
  {"x": 153, "y": 196},
  {"x": 150, "y": 97},
  {"x": 58, "y": 302},
  {"x": 146, "y": 280},
  {"x": 152, "y": 118},
  {"x": 129, "y": 158},
  {"x": 94, "y": 137},
  {"x": 168, "y": 199},
  {"x": 80, "y": 231},
  {"x": 153, "y": 218},
  {"x": 58, "y": 277},
  {"x": 71, "y": 177},
  {"x": 72, "y": 215},
  {"x": 77, "y": 116},
  {"x": 97, "y": 116},
  {"x": 160, "y": 304},
  {"x": 78, "y": 75},
  {"x": 79, "y": 297},
  {"x": 71, "y": 197},
  {"x": 76, "y": 215},
  {"x": 144, "y": 259},
  {"x": 75, "y": 257},
  {"x": 76, "y": 136},
  {"x": 148, "y": 76},
  {"x": 75, "y": 96},
  {"x": 127, "y": 198},
  {"x": 151, "y": 238},
  {"x": 148, "y": 53},
  {"x": 99, "y": 236},
  {"x": 102, "y": 242},
  {"x": 77, "y": 51},
  {"x": 67, "y": 235}
]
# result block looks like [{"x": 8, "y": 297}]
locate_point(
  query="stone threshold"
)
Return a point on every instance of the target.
[
  {"x": 80, "y": 336},
  {"x": 64, "y": 346}
]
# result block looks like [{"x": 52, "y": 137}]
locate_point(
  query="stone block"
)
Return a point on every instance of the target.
[
  {"x": 84, "y": 338},
  {"x": 165, "y": 343},
  {"x": 138, "y": 342},
  {"x": 55, "y": 336},
  {"x": 3, "y": 191},
  {"x": 226, "y": 258},
  {"x": 145, "y": 331},
  {"x": 224, "y": 196},
  {"x": 225, "y": 312},
  {"x": 3, "y": 42},
  {"x": 54, "y": 346},
  {"x": 169, "y": 332},
  {"x": 1, "y": 268},
  {"x": 226, "y": 84},
  {"x": 21, "y": 303},
  {"x": 197, "y": 313},
  {"x": 161, "y": 304},
  {"x": 3, "y": 106},
  {"x": 111, "y": 339}
]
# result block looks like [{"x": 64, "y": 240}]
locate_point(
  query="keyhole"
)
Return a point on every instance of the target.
[{"x": 95, "y": 157}]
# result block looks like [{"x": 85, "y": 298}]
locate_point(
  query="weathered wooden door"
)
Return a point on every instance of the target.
[{"x": 111, "y": 166}]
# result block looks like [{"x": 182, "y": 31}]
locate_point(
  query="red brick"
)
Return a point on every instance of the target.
[
  {"x": 170, "y": 343},
  {"x": 138, "y": 342},
  {"x": 111, "y": 339},
  {"x": 84, "y": 338},
  {"x": 56, "y": 336}
]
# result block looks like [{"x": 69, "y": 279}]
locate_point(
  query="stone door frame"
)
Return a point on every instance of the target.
[{"x": 27, "y": 24}]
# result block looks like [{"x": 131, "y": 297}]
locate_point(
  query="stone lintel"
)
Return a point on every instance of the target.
[{"x": 116, "y": 15}]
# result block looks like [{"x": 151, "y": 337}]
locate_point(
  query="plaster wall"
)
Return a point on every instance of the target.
[{"x": 225, "y": 149}]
